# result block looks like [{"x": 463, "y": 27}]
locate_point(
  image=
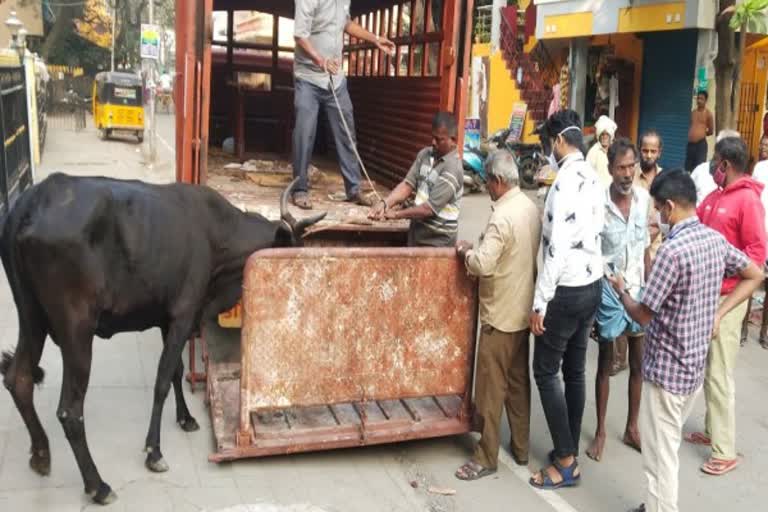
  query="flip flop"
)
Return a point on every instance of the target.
[
  {"x": 717, "y": 467},
  {"x": 473, "y": 471},
  {"x": 697, "y": 438},
  {"x": 301, "y": 199}
]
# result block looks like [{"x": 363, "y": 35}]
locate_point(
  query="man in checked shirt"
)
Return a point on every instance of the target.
[{"x": 680, "y": 309}]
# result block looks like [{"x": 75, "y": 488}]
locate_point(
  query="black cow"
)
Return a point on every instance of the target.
[{"x": 97, "y": 256}]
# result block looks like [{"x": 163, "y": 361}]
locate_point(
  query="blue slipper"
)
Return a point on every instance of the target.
[{"x": 567, "y": 473}]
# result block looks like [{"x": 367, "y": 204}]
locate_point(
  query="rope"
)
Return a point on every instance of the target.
[{"x": 351, "y": 139}]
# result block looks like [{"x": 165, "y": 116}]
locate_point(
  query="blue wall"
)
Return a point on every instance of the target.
[{"x": 666, "y": 93}]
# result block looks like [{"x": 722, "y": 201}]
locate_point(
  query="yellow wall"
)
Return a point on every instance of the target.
[
  {"x": 649, "y": 18},
  {"x": 752, "y": 72},
  {"x": 568, "y": 25},
  {"x": 502, "y": 93},
  {"x": 630, "y": 48}
]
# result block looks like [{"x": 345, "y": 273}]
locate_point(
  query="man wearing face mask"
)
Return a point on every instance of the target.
[
  {"x": 702, "y": 174},
  {"x": 568, "y": 291},
  {"x": 735, "y": 211},
  {"x": 679, "y": 313},
  {"x": 505, "y": 264},
  {"x": 625, "y": 242}
]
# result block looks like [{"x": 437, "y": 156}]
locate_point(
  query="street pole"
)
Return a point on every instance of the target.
[
  {"x": 151, "y": 83},
  {"x": 114, "y": 25}
]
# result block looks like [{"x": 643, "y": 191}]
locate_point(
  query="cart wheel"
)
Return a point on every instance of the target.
[
  {"x": 140, "y": 136},
  {"x": 103, "y": 135}
]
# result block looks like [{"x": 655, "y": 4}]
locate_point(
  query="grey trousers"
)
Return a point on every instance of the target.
[{"x": 307, "y": 101}]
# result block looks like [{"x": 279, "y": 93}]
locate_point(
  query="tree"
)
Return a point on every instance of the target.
[{"x": 748, "y": 16}]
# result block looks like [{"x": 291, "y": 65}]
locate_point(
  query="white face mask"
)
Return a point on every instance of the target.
[
  {"x": 664, "y": 228},
  {"x": 553, "y": 162}
]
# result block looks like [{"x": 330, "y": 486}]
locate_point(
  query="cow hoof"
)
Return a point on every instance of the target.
[
  {"x": 104, "y": 496},
  {"x": 189, "y": 425},
  {"x": 40, "y": 462},
  {"x": 156, "y": 466}
]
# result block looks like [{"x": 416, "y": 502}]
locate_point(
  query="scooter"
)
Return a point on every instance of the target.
[{"x": 529, "y": 158}]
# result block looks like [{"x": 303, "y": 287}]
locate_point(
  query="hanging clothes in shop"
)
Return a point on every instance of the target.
[{"x": 613, "y": 95}]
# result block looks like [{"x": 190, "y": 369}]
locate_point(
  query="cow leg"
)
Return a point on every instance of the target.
[
  {"x": 183, "y": 417},
  {"x": 77, "y": 354},
  {"x": 21, "y": 374},
  {"x": 178, "y": 333}
]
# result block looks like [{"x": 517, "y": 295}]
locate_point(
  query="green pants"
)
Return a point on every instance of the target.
[
  {"x": 720, "y": 385},
  {"x": 502, "y": 378}
]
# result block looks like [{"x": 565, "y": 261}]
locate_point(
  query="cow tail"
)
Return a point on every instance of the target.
[{"x": 38, "y": 374}]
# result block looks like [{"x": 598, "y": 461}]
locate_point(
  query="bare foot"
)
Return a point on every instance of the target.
[
  {"x": 595, "y": 451},
  {"x": 632, "y": 439}
]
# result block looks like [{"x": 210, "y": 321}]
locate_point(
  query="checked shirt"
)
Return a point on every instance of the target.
[{"x": 683, "y": 291}]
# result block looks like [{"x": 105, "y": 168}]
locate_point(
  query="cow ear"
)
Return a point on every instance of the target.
[{"x": 283, "y": 236}]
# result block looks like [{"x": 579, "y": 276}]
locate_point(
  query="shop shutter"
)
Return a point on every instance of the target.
[{"x": 669, "y": 63}]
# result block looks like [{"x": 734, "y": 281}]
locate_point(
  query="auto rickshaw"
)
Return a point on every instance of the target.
[{"x": 117, "y": 104}]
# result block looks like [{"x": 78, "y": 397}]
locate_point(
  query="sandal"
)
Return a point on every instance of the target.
[
  {"x": 473, "y": 471},
  {"x": 568, "y": 475},
  {"x": 698, "y": 438},
  {"x": 301, "y": 199},
  {"x": 717, "y": 467}
]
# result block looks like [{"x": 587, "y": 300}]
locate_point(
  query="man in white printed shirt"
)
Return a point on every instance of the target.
[{"x": 568, "y": 292}]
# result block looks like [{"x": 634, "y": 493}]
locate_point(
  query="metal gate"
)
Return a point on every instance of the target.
[
  {"x": 15, "y": 167},
  {"x": 749, "y": 107}
]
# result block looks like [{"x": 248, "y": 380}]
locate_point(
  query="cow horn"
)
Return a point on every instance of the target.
[
  {"x": 298, "y": 227},
  {"x": 285, "y": 214},
  {"x": 303, "y": 224}
]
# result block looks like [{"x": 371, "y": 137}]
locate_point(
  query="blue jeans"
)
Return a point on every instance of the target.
[
  {"x": 307, "y": 101},
  {"x": 569, "y": 319}
]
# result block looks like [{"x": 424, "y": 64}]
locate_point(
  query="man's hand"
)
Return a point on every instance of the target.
[
  {"x": 537, "y": 324},
  {"x": 390, "y": 214},
  {"x": 386, "y": 46},
  {"x": 716, "y": 326},
  {"x": 462, "y": 248},
  {"x": 331, "y": 66},
  {"x": 378, "y": 210},
  {"x": 618, "y": 283}
]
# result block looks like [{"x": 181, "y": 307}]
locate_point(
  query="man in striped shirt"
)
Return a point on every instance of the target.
[{"x": 437, "y": 178}]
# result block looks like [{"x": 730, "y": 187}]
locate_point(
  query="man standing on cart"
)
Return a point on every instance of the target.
[{"x": 319, "y": 27}]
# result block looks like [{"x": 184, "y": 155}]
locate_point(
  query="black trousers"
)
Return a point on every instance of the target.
[
  {"x": 569, "y": 319},
  {"x": 695, "y": 154}
]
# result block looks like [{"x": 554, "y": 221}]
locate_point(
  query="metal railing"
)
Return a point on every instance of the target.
[
  {"x": 15, "y": 158},
  {"x": 483, "y": 22}
]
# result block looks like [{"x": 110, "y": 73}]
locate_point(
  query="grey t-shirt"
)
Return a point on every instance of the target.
[
  {"x": 323, "y": 23},
  {"x": 438, "y": 182}
]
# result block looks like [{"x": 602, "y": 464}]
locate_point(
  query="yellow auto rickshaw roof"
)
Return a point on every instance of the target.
[{"x": 118, "y": 78}]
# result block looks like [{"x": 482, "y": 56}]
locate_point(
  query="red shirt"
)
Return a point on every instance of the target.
[{"x": 737, "y": 213}]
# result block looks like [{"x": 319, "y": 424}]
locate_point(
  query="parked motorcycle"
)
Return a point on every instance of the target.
[{"x": 529, "y": 158}]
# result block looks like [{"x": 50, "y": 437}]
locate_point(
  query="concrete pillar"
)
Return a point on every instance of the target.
[
  {"x": 578, "y": 59},
  {"x": 496, "y": 23}
]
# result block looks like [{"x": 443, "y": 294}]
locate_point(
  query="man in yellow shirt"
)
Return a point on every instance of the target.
[{"x": 505, "y": 262}]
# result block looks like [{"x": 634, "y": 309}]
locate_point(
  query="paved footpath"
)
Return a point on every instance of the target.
[{"x": 369, "y": 479}]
